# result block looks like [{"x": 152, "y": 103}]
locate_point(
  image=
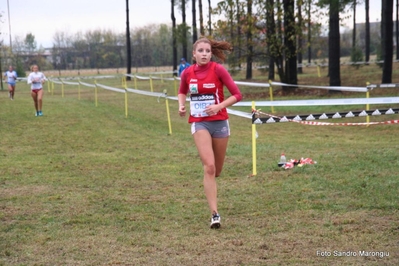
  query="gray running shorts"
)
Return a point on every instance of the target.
[{"x": 217, "y": 129}]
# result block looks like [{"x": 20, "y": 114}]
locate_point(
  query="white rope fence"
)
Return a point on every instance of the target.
[
  {"x": 306, "y": 120},
  {"x": 324, "y": 102},
  {"x": 270, "y": 103}
]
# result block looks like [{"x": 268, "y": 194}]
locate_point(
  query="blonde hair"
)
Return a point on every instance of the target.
[
  {"x": 218, "y": 48},
  {"x": 31, "y": 67}
]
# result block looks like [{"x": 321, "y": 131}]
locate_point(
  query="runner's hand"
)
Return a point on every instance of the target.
[{"x": 182, "y": 110}]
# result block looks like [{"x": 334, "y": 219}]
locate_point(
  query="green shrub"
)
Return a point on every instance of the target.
[
  {"x": 357, "y": 56},
  {"x": 19, "y": 68}
]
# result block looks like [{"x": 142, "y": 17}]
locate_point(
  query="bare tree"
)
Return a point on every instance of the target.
[
  {"x": 290, "y": 44},
  {"x": 209, "y": 18},
  {"x": 270, "y": 36},
  {"x": 387, "y": 40},
  {"x": 238, "y": 33},
  {"x": 201, "y": 18},
  {"x": 61, "y": 42},
  {"x": 309, "y": 32},
  {"x": 128, "y": 46},
  {"x": 174, "y": 42},
  {"x": 279, "y": 59},
  {"x": 194, "y": 11},
  {"x": 334, "y": 50},
  {"x": 397, "y": 29},
  {"x": 300, "y": 34},
  {"x": 184, "y": 28},
  {"x": 354, "y": 26},
  {"x": 367, "y": 35},
  {"x": 249, "y": 40}
]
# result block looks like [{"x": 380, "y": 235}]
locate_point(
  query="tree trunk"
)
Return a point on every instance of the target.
[
  {"x": 128, "y": 46},
  {"x": 201, "y": 18},
  {"x": 270, "y": 35},
  {"x": 397, "y": 29},
  {"x": 272, "y": 74},
  {"x": 238, "y": 49},
  {"x": 174, "y": 42},
  {"x": 290, "y": 45},
  {"x": 310, "y": 33},
  {"x": 367, "y": 41},
  {"x": 209, "y": 18},
  {"x": 334, "y": 46},
  {"x": 249, "y": 40},
  {"x": 387, "y": 39},
  {"x": 184, "y": 33},
  {"x": 279, "y": 57},
  {"x": 300, "y": 27},
  {"x": 279, "y": 21},
  {"x": 354, "y": 26},
  {"x": 278, "y": 60},
  {"x": 194, "y": 11},
  {"x": 231, "y": 22}
]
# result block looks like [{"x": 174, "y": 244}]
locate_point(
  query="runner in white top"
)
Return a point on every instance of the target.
[
  {"x": 11, "y": 76},
  {"x": 36, "y": 79}
]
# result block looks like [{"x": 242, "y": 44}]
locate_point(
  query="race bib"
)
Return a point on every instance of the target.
[{"x": 199, "y": 102}]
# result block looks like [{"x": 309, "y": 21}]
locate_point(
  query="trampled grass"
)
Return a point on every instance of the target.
[{"x": 84, "y": 185}]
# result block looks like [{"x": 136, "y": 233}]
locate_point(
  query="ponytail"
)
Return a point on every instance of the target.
[{"x": 219, "y": 48}]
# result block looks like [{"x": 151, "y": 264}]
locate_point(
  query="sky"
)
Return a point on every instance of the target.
[{"x": 43, "y": 18}]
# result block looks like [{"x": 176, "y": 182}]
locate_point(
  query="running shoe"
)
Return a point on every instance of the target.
[
  {"x": 215, "y": 221},
  {"x": 37, "y": 114},
  {"x": 40, "y": 113}
]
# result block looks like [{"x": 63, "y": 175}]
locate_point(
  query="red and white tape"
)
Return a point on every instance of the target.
[
  {"x": 347, "y": 124},
  {"x": 312, "y": 123}
]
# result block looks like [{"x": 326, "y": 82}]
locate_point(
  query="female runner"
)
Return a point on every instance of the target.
[
  {"x": 36, "y": 79},
  {"x": 204, "y": 81}
]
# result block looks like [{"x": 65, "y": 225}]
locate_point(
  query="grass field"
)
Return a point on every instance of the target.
[{"x": 84, "y": 185}]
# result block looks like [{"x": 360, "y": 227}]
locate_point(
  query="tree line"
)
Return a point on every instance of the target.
[{"x": 274, "y": 34}]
